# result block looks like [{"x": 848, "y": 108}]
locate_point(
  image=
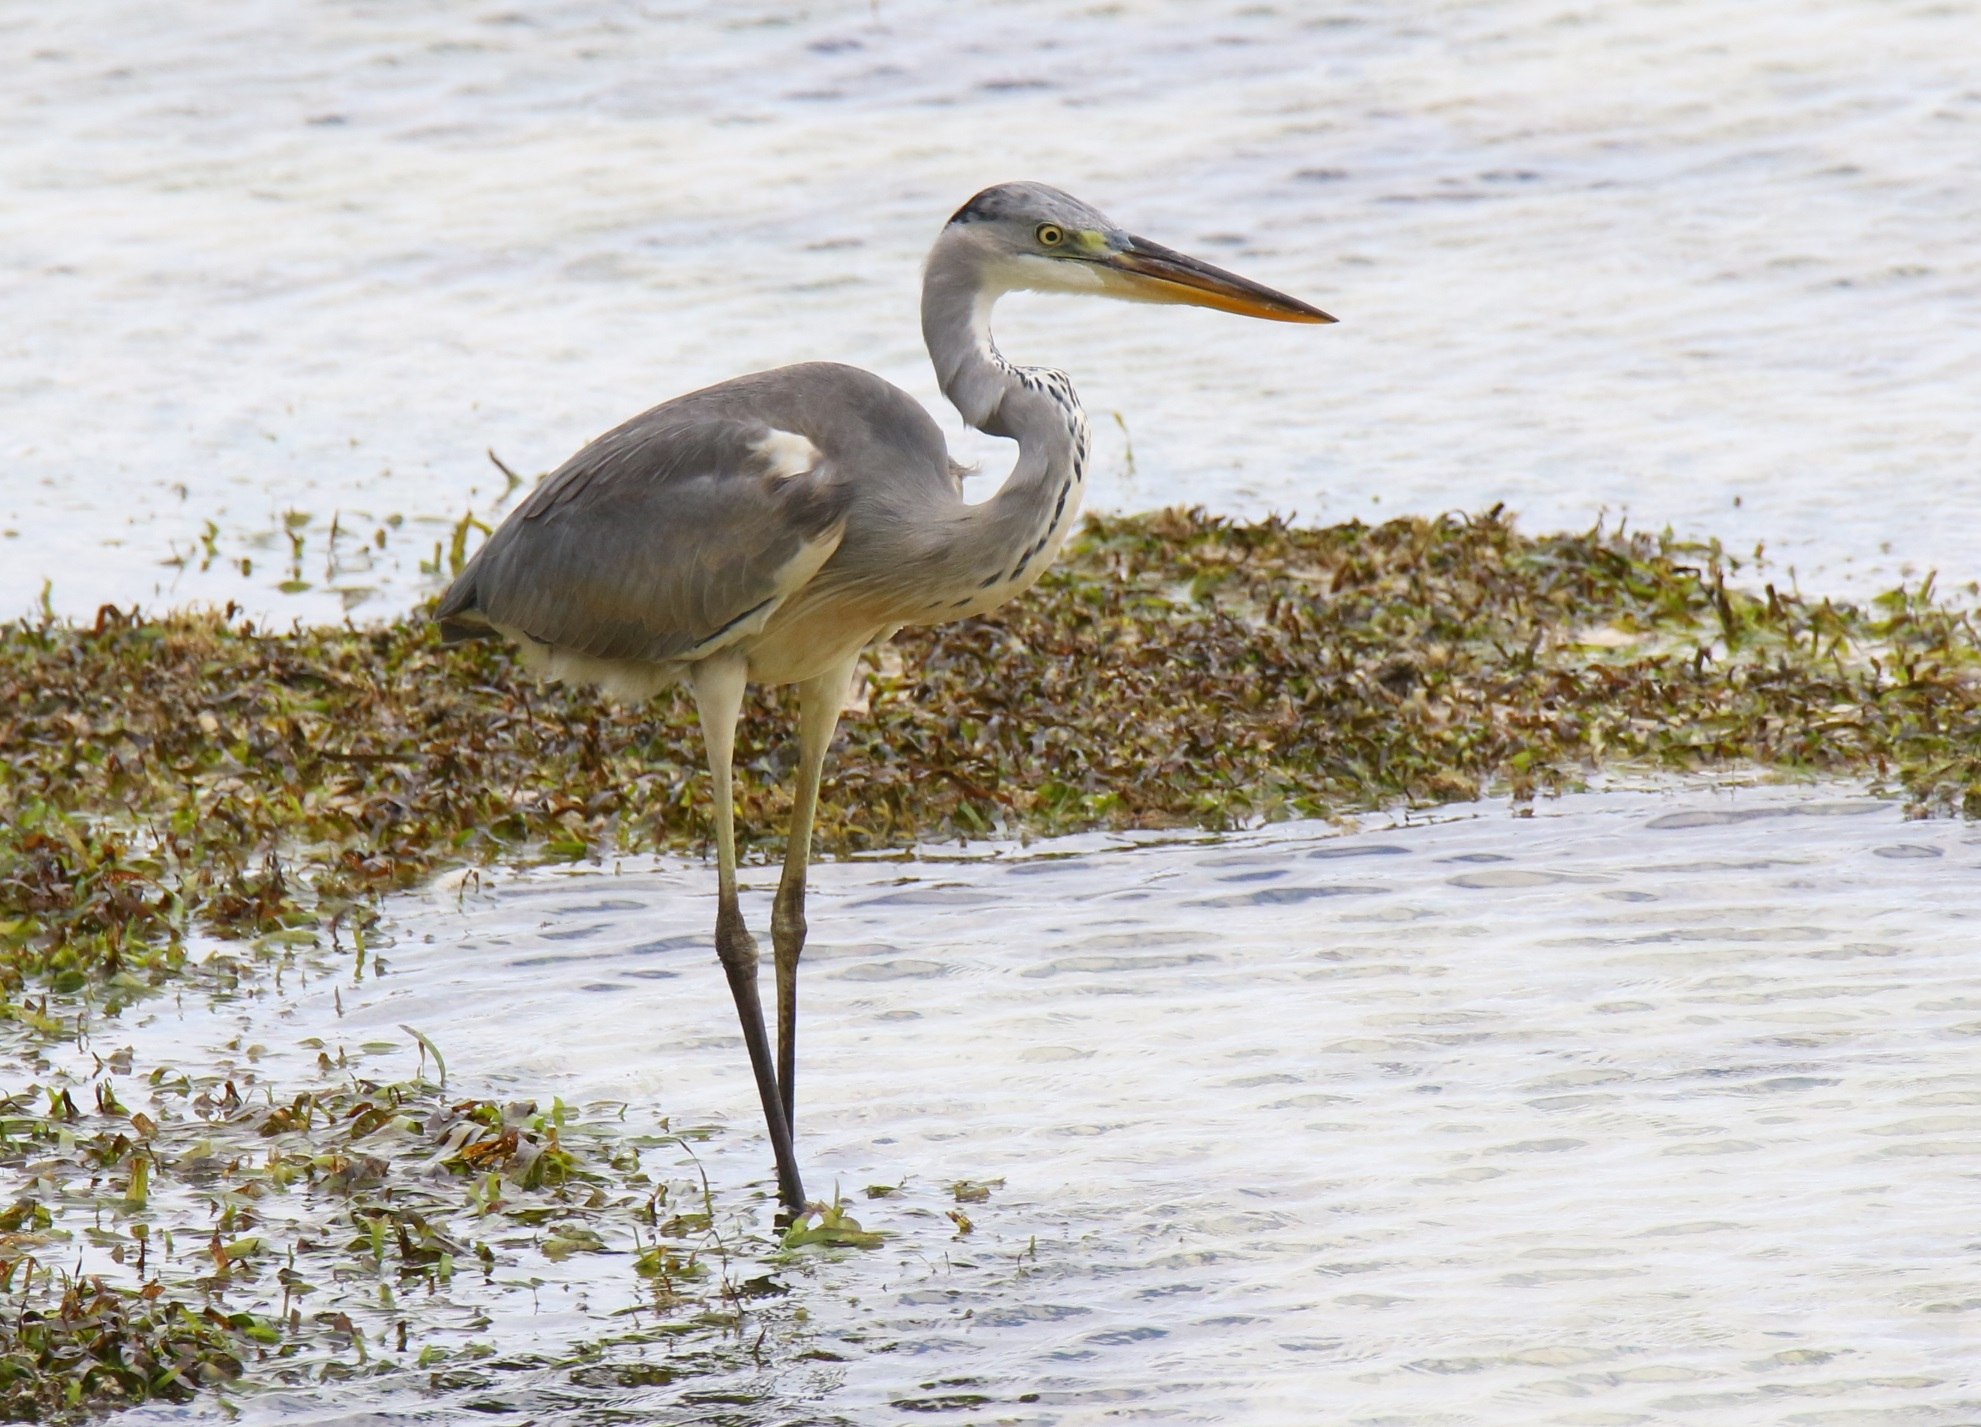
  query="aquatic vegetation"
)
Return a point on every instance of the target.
[
  {"x": 192, "y": 800},
  {"x": 1175, "y": 669},
  {"x": 99, "y": 1347},
  {"x": 829, "y": 1226},
  {"x": 347, "y": 1229}
]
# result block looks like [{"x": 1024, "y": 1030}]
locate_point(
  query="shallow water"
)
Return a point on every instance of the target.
[
  {"x": 1647, "y": 1108},
  {"x": 1710, "y": 265}
]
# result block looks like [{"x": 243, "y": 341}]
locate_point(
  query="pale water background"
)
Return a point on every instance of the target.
[
  {"x": 270, "y": 257},
  {"x": 1656, "y": 1107},
  {"x": 1652, "y": 1108}
]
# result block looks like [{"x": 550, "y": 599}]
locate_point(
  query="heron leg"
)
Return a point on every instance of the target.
[
  {"x": 819, "y": 703},
  {"x": 718, "y": 685}
]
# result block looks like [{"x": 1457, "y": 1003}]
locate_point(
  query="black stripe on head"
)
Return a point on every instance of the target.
[{"x": 994, "y": 202}]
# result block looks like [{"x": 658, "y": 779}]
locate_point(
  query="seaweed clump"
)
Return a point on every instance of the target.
[
  {"x": 98, "y": 1347},
  {"x": 1174, "y": 670},
  {"x": 352, "y": 1228}
]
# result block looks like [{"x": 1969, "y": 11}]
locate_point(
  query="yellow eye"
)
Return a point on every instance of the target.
[{"x": 1050, "y": 235}]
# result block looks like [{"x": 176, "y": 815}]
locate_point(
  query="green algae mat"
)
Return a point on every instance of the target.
[{"x": 189, "y": 776}]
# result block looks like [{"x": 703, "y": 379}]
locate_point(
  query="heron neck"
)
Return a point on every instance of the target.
[{"x": 1007, "y": 541}]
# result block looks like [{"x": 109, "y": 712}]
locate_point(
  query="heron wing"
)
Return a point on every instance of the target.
[{"x": 659, "y": 541}]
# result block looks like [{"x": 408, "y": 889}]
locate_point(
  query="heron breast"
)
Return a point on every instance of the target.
[{"x": 811, "y": 633}]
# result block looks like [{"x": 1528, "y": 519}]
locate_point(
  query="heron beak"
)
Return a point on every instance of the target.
[{"x": 1149, "y": 272}]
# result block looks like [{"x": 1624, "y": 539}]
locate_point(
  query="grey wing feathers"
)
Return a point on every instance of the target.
[{"x": 654, "y": 540}]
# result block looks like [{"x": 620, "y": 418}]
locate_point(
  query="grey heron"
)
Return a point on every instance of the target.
[{"x": 769, "y": 528}]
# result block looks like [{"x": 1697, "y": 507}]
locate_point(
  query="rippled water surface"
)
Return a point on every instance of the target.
[
  {"x": 1648, "y": 1108},
  {"x": 1715, "y": 265}
]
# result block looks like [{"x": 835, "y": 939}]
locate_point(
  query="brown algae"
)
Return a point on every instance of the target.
[
  {"x": 350, "y": 1229},
  {"x": 1174, "y": 670},
  {"x": 192, "y": 773}
]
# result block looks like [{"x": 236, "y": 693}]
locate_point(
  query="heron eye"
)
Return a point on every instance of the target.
[{"x": 1050, "y": 235}]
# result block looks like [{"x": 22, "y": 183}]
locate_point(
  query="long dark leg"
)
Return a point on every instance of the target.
[
  {"x": 819, "y": 702},
  {"x": 718, "y": 687}
]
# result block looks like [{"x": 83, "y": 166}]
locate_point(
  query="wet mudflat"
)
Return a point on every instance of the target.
[{"x": 1651, "y": 1106}]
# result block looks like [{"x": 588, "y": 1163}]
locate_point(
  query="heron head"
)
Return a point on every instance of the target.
[{"x": 1039, "y": 239}]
